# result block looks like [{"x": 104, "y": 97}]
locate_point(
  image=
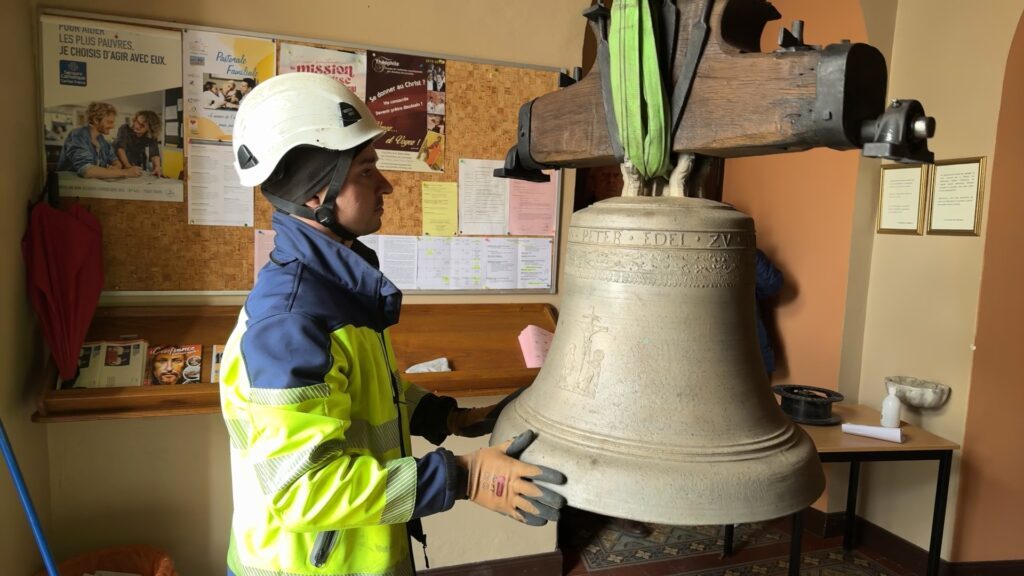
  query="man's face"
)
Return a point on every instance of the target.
[
  {"x": 360, "y": 204},
  {"x": 107, "y": 124},
  {"x": 167, "y": 368}
]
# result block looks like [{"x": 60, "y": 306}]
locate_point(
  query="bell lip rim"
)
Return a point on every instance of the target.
[
  {"x": 784, "y": 438},
  {"x": 797, "y": 461},
  {"x": 780, "y": 503}
]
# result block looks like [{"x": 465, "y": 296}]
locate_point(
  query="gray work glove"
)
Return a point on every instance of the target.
[{"x": 496, "y": 479}]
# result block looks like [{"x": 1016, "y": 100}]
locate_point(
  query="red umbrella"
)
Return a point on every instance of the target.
[{"x": 64, "y": 268}]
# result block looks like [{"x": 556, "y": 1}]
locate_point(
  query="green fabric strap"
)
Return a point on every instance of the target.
[{"x": 638, "y": 97}]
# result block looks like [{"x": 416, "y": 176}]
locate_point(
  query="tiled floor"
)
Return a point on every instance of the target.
[{"x": 599, "y": 546}]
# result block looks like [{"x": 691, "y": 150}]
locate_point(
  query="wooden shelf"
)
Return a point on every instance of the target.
[
  {"x": 480, "y": 341},
  {"x": 136, "y": 402}
]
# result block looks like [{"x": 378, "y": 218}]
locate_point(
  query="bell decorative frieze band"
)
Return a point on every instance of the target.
[{"x": 653, "y": 399}]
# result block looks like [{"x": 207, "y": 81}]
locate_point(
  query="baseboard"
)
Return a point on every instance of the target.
[
  {"x": 915, "y": 558},
  {"x": 1006, "y": 568},
  {"x": 824, "y": 524},
  {"x": 546, "y": 564}
]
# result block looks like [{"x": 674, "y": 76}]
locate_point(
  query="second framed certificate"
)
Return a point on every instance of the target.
[{"x": 957, "y": 187}]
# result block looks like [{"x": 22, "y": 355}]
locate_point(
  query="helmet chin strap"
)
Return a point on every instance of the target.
[{"x": 324, "y": 213}]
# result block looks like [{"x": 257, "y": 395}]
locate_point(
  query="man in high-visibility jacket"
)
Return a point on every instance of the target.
[{"x": 319, "y": 419}]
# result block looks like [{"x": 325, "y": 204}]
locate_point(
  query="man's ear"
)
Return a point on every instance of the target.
[{"x": 317, "y": 199}]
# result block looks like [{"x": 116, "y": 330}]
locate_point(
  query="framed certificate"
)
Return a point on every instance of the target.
[
  {"x": 956, "y": 194},
  {"x": 901, "y": 194}
]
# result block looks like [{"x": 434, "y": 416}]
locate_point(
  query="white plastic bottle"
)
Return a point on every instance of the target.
[{"x": 891, "y": 408}]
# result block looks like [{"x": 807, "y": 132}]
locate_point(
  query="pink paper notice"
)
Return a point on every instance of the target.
[
  {"x": 532, "y": 206},
  {"x": 535, "y": 342},
  {"x": 262, "y": 247}
]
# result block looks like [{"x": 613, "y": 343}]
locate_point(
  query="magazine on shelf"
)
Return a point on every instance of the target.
[
  {"x": 170, "y": 364},
  {"x": 218, "y": 351},
  {"x": 109, "y": 364}
]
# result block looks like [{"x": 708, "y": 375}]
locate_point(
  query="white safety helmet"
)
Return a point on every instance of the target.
[{"x": 296, "y": 109}]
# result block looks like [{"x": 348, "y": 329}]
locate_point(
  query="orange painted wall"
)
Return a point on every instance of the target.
[
  {"x": 802, "y": 205},
  {"x": 992, "y": 466}
]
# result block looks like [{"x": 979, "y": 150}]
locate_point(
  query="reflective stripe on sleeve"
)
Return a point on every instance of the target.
[
  {"x": 400, "y": 494},
  {"x": 286, "y": 396},
  {"x": 238, "y": 432}
]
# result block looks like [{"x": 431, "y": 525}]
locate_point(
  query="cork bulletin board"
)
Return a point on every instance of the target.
[{"x": 149, "y": 246}]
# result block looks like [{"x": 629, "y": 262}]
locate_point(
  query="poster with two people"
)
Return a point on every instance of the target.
[{"x": 112, "y": 109}]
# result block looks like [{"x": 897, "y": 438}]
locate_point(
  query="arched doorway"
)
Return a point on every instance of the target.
[{"x": 992, "y": 470}]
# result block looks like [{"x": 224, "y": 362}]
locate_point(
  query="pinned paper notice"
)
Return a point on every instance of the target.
[
  {"x": 440, "y": 204},
  {"x": 262, "y": 247},
  {"x": 535, "y": 342},
  {"x": 879, "y": 432},
  {"x": 532, "y": 206}
]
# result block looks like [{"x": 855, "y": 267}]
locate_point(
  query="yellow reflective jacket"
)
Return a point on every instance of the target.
[{"x": 319, "y": 420}]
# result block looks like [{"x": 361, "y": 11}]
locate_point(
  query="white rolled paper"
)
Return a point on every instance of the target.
[{"x": 879, "y": 432}]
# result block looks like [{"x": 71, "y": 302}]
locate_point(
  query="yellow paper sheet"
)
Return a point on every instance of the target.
[{"x": 440, "y": 208}]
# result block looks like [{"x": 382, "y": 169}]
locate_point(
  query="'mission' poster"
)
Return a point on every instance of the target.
[
  {"x": 349, "y": 68},
  {"x": 407, "y": 96}
]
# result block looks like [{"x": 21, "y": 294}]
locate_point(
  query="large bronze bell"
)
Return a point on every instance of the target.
[{"x": 653, "y": 399}]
